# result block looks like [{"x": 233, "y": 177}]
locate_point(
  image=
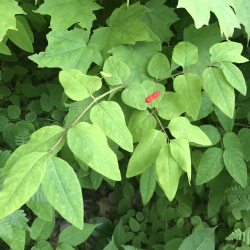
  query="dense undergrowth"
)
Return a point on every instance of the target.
[{"x": 89, "y": 160}]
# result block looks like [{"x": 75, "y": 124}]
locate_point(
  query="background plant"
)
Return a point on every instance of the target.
[{"x": 75, "y": 116}]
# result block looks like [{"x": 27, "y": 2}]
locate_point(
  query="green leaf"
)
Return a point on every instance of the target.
[
  {"x": 119, "y": 236},
  {"x": 200, "y": 11},
  {"x": 89, "y": 144},
  {"x": 234, "y": 77},
  {"x": 202, "y": 239},
  {"x": 211, "y": 132},
  {"x": 4, "y": 49},
  {"x": 64, "y": 44},
  {"x": 181, "y": 154},
  {"x": 9, "y": 134},
  {"x": 119, "y": 71},
  {"x": 244, "y": 136},
  {"x": 42, "y": 245},
  {"x": 64, "y": 195},
  {"x": 110, "y": 118},
  {"x": 40, "y": 141},
  {"x": 168, "y": 172},
  {"x": 188, "y": 87},
  {"x": 148, "y": 183},
  {"x": 226, "y": 122},
  {"x": 236, "y": 165},
  {"x": 185, "y": 54},
  {"x": 65, "y": 13},
  {"x": 203, "y": 39},
  {"x": 3, "y": 122},
  {"x": 23, "y": 36},
  {"x": 241, "y": 9},
  {"x": 13, "y": 111},
  {"x": 170, "y": 107},
  {"x": 227, "y": 52},
  {"x": 219, "y": 90},
  {"x": 140, "y": 122},
  {"x": 134, "y": 96},
  {"x": 77, "y": 85},
  {"x": 45, "y": 103},
  {"x": 134, "y": 224},
  {"x": 231, "y": 140},
  {"x": 22, "y": 182},
  {"x": 111, "y": 245},
  {"x": 40, "y": 206},
  {"x": 159, "y": 19},
  {"x": 41, "y": 229},
  {"x": 96, "y": 179},
  {"x": 159, "y": 66},
  {"x": 146, "y": 152},
  {"x": 181, "y": 128},
  {"x": 123, "y": 28},
  {"x": 136, "y": 58},
  {"x": 7, "y": 16},
  {"x": 17, "y": 242},
  {"x": 74, "y": 236},
  {"x": 210, "y": 165},
  {"x": 65, "y": 247}
]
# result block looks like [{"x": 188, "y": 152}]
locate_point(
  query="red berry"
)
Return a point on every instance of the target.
[
  {"x": 149, "y": 99},
  {"x": 155, "y": 94}
]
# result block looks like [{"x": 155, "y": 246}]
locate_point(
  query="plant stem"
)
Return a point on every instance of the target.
[
  {"x": 127, "y": 3},
  {"x": 162, "y": 128},
  {"x": 83, "y": 112}
]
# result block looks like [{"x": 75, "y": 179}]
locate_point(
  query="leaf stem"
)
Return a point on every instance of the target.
[
  {"x": 157, "y": 118},
  {"x": 83, "y": 112}
]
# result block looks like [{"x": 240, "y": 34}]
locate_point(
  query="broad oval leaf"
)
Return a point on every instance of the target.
[
  {"x": 75, "y": 236},
  {"x": 236, "y": 165},
  {"x": 110, "y": 118},
  {"x": 62, "y": 189},
  {"x": 219, "y": 90},
  {"x": 210, "y": 165},
  {"x": 181, "y": 128},
  {"x": 40, "y": 141},
  {"x": 140, "y": 122},
  {"x": 77, "y": 85},
  {"x": 168, "y": 172},
  {"x": 170, "y": 106},
  {"x": 227, "y": 52},
  {"x": 22, "y": 182},
  {"x": 146, "y": 152},
  {"x": 181, "y": 153},
  {"x": 42, "y": 229},
  {"x": 89, "y": 144},
  {"x": 234, "y": 77},
  {"x": 118, "y": 70},
  {"x": 159, "y": 66},
  {"x": 134, "y": 96},
  {"x": 231, "y": 140},
  {"x": 188, "y": 87},
  {"x": 185, "y": 54}
]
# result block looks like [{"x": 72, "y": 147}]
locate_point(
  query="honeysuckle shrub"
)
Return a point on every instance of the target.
[{"x": 146, "y": 97}]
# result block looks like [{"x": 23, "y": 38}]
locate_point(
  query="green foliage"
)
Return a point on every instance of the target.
[{"x": 75, "y": 79}]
